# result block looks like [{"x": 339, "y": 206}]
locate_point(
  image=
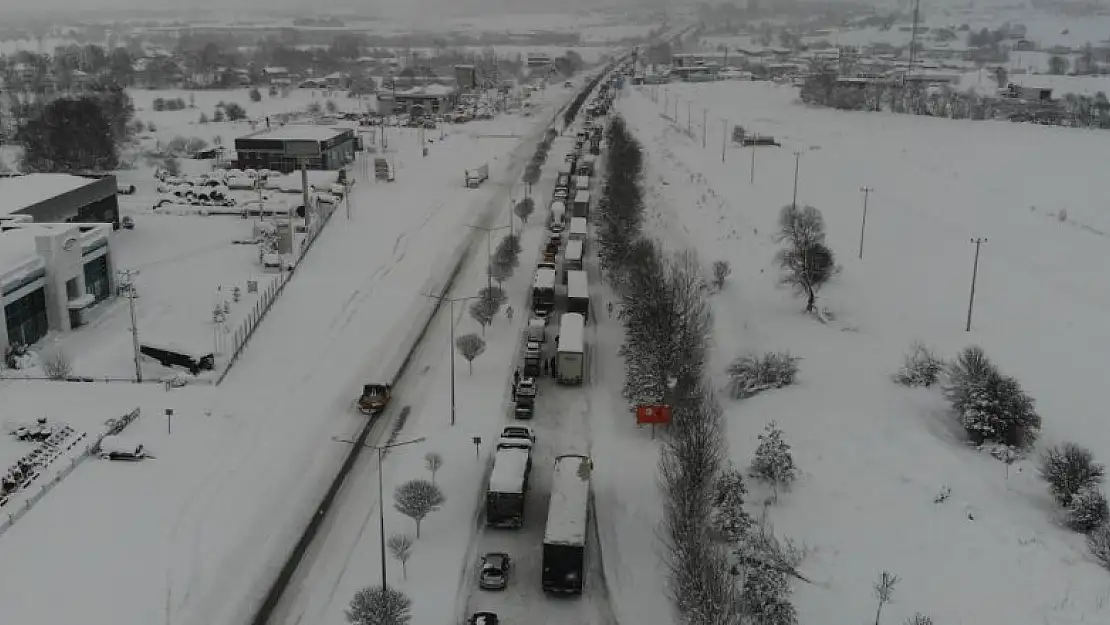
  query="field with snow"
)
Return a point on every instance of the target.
[
  {"x": 873, "y": 456},
  {"x": 204, "y": 526}
]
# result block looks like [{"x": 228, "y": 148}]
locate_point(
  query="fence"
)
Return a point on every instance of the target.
[
  {"x": 243, "y": 334},
  {"x": 114, "y": 426}
]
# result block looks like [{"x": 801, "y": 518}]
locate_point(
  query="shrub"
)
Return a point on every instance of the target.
[
  {"x": 1098, "y": 543},
  {"x": 1088, "y": 510},
  {"x": 920, "y": 368},
  {"x": 721, "y": 270},
  {"x": 1068, "y": 469},
  {"x": 56, "y": 364},
  {"x": 749, "y": 375},
  {"x": 255, "y": 95}
]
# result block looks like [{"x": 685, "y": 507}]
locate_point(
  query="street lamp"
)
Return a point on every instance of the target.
[
  {"x": 381, "y": 488},
  {"x": 489, "y": 249},
  {"x": 451, "y": 347}
]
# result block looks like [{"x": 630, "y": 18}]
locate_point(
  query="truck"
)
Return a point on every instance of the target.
[
  {"x": 581, "y": 205},
  {"x": 543, "y": 290},
  {"x": 579, "y": 230},
  {"x": 508, "y": 483},
  {"x": 578, "y": 293},
  {"x": 558, "y": 216},
  {"x": 568, "y": 517},
  {"x": 581, "y": 183},
  {"x": 374, "y": 398},
  {"x": 570, "y": 356},
  {"x": 475, "y": 177},
  {"x": 587, "y": 165}
]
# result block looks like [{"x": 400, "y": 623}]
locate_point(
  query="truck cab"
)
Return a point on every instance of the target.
[{"x": 374, "y": 398}]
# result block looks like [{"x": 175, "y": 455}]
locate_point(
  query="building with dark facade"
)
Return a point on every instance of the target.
[
  {"x": 282, "y": 148},
  {"x": 60, "y": 198},
  {"x": 432, "y": 99}
]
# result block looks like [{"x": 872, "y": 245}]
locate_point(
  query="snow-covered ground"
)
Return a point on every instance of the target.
[
  {"x": 347, "y": 557},
  {"x": 202, "y": 529},
  {"x": 873, "y": 455}
]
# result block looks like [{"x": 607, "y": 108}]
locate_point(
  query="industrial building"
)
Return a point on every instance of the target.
[
  {"x": 282, "y": 148},
  {"x": 51, "y": 275},
  {"x": 60, "y": 198},
  {"x": 433, "y": 99}
]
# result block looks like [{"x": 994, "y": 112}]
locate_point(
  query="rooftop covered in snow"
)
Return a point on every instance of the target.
[
  {"x": 299, "y": 132},
  {"x": 568, "y": 515},
  {"x": 20, "y": 192}
]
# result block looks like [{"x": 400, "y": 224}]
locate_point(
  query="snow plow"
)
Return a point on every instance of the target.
[{"x": 374, "y": 399}]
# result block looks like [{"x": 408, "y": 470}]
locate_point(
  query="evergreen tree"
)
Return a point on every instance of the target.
[
  {"x": 69, "y": 135},
  {"x": 773, "y": 462},
  {"x": 729, "y": 519}
]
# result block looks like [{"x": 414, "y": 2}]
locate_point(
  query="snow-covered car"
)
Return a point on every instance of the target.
[
  {"x": 119, "y": 448},
  {"x": 483, "y": 618},
  {"x": 518, "y": 431},
  {"x": 494, "y": 574},
  {"x": 240, "y": 182},
  {"x": 526, "y": 387},
  {"x": 532, "y": 350}
]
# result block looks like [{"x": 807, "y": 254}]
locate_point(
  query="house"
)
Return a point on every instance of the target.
[
  {"x": 539, "y": 59},
  {"x": 277, "y": 75},
  {"x": 428, "y": 100},
  {"x": 281, "y": 148}
]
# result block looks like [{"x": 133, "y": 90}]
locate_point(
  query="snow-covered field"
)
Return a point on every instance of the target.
[
  {"x": 202, "y": 529},
  {"x": 873, "y": 455}
]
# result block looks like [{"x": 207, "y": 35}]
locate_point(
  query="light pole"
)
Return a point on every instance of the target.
[
  {"x": 128, "y": 276},
  {"x": 489, "y": 249},
  {"x": 381, "y": 490},
  {"x": 797, "y": 164},
  {"x": 451, "y": 346},
  {"x": 863, "y": 225},
  {"x": 974, "y": 276}
]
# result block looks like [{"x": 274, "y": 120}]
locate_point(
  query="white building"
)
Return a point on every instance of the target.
[{"x": 50, "y": 276}]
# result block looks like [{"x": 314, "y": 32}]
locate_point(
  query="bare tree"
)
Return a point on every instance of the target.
[
  {"x": 806, "y": 263},
  {"x": 434, "y": 461},
  {"x": 470, "y": 346},
  {"x": 721, "y": 271},
  {"x": 379, "y": 606},
  {"x": 524, "y": 209},
  {"x": 920, "y": 368},
  {"x": 499, "y": 270},
  {"x": 416, "y": 498},
  {"x": 884, "y": 591},
  {"x": 400, "y": 547},
  {"x": 483, "y": 311},
  {"x": 1098, "y": 544},
  {"x": 749, "y": 375},
  {"x": 56, "y": 364}
]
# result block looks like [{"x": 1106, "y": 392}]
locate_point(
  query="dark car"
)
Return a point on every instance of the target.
[
  {"x": 483, "y": 618},
  {"x": 494, "y": 574}
]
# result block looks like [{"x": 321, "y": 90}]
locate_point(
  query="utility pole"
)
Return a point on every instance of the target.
[
  {"x": 128, "y": 276},
  {"x": 689, "y": 123},
  {"x": 913, "y": 35},
  {"x": 751, "y": 174},
  {"x": 724, "y": 138},
  {"x": 863, "y": 225},
  {"x": 797, "y": 164},
  {"x": 704, "y": 117},
  {"x": 304, "y": 195},
  {"x": 974, "y": 276},
  {"x": 381, "y": 449},
  {"x": 451, "y": 347}
]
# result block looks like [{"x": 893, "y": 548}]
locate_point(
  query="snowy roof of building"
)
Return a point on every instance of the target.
[
  {"x": 509, "y": 466},
  {"x": 298, "y": 132},
  {"x": 20, "y": 192},
  {"x": 572, "y": 331},
  {"x": 18, "y": 255},
  {"x": 577, "y": 286},
  {"x": 545, "y": 279},
  {"x": 570, "y": 497}
]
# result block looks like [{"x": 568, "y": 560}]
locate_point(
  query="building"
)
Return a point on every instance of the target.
[
  {"x": 539, "y": 59},
  {"x": 281, "y": 148},
  {"x": 467, "y": 77},
  {"x": 60, "y": 198},
  {"x": 428, "y": 100},
  {"x": 51, "y": 275}
]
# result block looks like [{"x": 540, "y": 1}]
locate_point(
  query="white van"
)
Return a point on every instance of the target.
[{"x": 119, "y": 448}]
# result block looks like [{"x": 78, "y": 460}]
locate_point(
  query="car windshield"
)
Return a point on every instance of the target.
[{"x": 494, "y": 561}]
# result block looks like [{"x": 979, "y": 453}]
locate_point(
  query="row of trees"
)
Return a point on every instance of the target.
[
  {"x": 730, "y": 568},
  {"x": 580, "y": 99}
]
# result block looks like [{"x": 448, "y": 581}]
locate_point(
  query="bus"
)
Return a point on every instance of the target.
[
  {"x": 564, "y": 541},
  {"x": 578, "y": 294}
]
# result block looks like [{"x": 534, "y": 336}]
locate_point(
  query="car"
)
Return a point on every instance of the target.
[
  {"x": 532, "y": 349},
  {"x": 128, "y": 222},
  {"x": 494, "y": 574},
  {"x": 518, "y": 431},
  {"x": 483, "y": 618},
  {"x": 526, "y": 387}
]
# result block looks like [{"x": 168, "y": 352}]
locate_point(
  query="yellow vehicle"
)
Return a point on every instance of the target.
[{"x": 374, "y": 399}]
